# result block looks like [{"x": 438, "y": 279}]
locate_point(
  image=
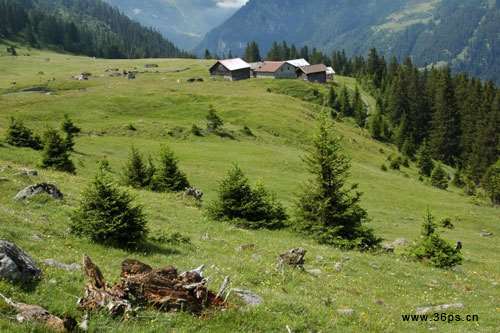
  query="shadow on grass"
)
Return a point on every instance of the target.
[{"x": 151, "y": 248}]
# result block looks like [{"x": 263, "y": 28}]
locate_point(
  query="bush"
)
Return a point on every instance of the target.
[
  {"x": 328, "y": 209},
  {"x": 447, "y": 223},
  {"x": 168, "y": 177},
  {"x": 19, "y": 135},
  {"x": 247, "y": 131},
  {"x": 196, "y": 131},
  {"x": 491, "y": 183},
  {"x": 247, "y": 207},
  {"x": 383, "y": 167},
  {"x": 109, "y": 216},
  {"x": 55, "y": 153},
  {"x": 439, "y": 178},
  {"x": 396, "y": 163},
  {"x": 433, "y": 249},
  {"x": 135, "y": 173},
  {"x": 406, "y": 162},
  {"x": 214, "y": 122}
]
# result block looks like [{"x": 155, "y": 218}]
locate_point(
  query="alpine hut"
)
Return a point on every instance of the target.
[
  {"x": 231, "y": 69},
  {"x": 330, "y": 73},
  {"x": 276, "y": 70},
  {"x": 313, "y": 73}
]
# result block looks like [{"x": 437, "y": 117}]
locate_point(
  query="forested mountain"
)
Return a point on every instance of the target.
[
  {"x": 185, "y": 22},
  {"x": 89, "y": 27},
  {"x": 460, "y": 33}
]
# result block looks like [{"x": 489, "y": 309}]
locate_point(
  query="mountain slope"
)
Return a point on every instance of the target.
[
  {"x": 89, "y": 27},
  {"x": 461, "y": 33},
  {"x": 185, "y": 22},
  {"x": 379, "y": 288}
]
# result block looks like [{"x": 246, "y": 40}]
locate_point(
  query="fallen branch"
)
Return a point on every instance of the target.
[{"x": 36, "y": 314}]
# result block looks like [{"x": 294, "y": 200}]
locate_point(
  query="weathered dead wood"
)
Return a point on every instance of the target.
[
  {"x": 37, "y": 314},
  {"x": 141, "y": 285}
]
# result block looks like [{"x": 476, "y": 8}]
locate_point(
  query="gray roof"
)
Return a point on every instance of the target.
[
  {"x": 298, "y": 62},
  {"x": 234, "y": 64}
]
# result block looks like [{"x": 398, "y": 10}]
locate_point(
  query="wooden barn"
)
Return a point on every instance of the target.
[
  {"x": 231, "y": 69},
  {"x": 313, "y": 73},
  {"x": 276, "y": 70}
]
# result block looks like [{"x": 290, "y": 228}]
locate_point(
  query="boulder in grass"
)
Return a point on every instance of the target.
[
  {"x": 16, "y": 265},
  {"x": 293, "y": 257},
  {"x": 37, "y": 189}
]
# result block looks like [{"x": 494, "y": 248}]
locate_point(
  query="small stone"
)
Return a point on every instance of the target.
[
  {"x": 374, "y": 266},
  {"x": 66, "y": 267},
  {"x": 320, "y": 258},
  {"x": 485, "y": 233},
  {"x": 437, "y": 308},
  {"x": 256, "y": 257},
  {"x": 205, "y": 237},
  {"x": 400, "y": 242},
  {"x": 29, "y": 172},
  {"x": 245, "y": 247},
  {"x": 314, "y": 271},
  {"x": 338, "y": 266},
  {"x": 36, "y": 238},
  {"x": 248, "y": 297},
  {"x": 53, "y": 281},
  {"x": 389, "y": 248},
  {"x": 379, "y": 302},
  {"x": 345, "y": 312}
]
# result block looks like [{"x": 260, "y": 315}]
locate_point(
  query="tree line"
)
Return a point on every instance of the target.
[{"x": 89, "y": 27}]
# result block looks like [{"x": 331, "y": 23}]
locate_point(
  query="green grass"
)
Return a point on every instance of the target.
[{"x": 380, "y": 288}]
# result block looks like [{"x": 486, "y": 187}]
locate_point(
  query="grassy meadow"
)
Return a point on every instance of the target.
[{"x": 162, "y": 107}]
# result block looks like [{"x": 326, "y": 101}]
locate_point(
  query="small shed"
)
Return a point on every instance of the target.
[
  {"x": 330, "y": 73},
  {"x": 313, "y": 73},
  {"x": 231, "y": 69}
]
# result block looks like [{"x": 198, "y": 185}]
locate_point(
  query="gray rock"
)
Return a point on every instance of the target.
[
  {"x": 293, "y": 257},
  {"x": 37, "y": 189},
  {"x": 248, "y": 297},
  {"x": 400, "y": 242},
  {"x": 338, "y": 267},
  {"x": 431, "y": 309},
  {"x": 485, "y": 233},
  {"x": 314, "y": 271},
  {"x": 345, "y": 312},
  {"x": 28, "y": 172},
  {"x": 66, "y": 267},
  {"x": 245, "y": 247},
  {"x": 16, "y": 265},
  {"x": 389, "y": 248}
]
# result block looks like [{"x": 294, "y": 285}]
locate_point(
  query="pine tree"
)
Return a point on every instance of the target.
[
  {"x": 345, "y": 107},
  {"x": 360, "y": 113},
  {"x": 135, "y": 172},
  {"x": 69, "y": 127},
  {"x": 445, "y": 130},
  {"x": 168, "y": 177},
  {"x": 425, "y": 163},
  {"x": 433, "y": 249},
  {"x": 439, "y": 178},
  {"x": 109, "y": 216},
  {"x": 491, "y": 183},
  {"x": 251, "y": 208},
  {"x": 332, "y": 100},
  {"x": 208, "y": 55},
  {"x": 55, "y": 153},
  {"x": 214, "y": 122},
  {"x": 328, "y": 209},
  {"x": 18, "y": 135}
]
